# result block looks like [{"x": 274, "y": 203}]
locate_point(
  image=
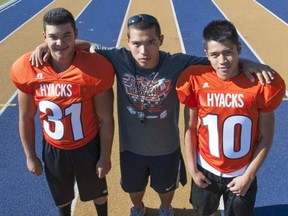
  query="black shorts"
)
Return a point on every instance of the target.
[
  {"x": 165, "y": 171},
  {"x": 206, "y": 200},
  {"x": 64, "y": 167}
]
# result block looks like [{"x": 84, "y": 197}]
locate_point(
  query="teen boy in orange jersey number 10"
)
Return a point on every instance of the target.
[
  {"x": 226, "y": 148},
  {"x": 73, "y": 94}
]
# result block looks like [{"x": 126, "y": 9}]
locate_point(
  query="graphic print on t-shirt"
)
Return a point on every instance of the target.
[{"x": 146, "y": 93}]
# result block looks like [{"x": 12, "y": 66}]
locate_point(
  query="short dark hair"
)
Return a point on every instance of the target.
[
  {"x": 58, "y": 16},
  {"x": 220, "y": 31},
  {"x": 143, "y": 24}
]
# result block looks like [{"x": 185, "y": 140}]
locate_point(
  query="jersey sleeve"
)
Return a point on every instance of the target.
[
  {"x": 99, "y": 72},
  {"x": 21, "y": 74},
  {"x": 272, "y": 94},
  {"x": 107, "y": 75}
]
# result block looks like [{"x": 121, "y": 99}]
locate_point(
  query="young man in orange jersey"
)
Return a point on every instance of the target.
[
  {"x": 73, "y": 93},
  {"x": 234, "y": 134}
]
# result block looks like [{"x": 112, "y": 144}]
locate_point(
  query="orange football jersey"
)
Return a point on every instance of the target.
[
  {"x": 228, "y": 112},
  {"x": 65, "y": 100}
]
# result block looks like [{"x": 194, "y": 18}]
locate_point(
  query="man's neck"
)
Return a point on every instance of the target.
[{"x": 60, "y": 65}]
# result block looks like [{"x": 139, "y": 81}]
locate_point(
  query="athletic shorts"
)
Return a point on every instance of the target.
[
  {"x": 64, "y": 167},
  {"x": 206, "y": 200},
  {"x": 165, "y": 171}
]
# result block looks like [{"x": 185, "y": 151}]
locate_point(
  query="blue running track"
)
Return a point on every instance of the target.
[{"x": 101, "y": 22}]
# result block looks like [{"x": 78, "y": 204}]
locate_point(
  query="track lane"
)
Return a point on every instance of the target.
[
  {"x": 265, "y": 33},
  {"x": 17, "y": 176},
  {"x": 10, "y": 19},
  {"x": 280, "y": 9}
]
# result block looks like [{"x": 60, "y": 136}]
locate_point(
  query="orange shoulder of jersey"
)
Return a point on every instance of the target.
[
  {"x": 96, "y": 66},
  {"x": 272, "y": 94},
  {"x": 184, "y": 86},
  {"x": 22, "y": 72},
  {"x": 92, "y": 69}
]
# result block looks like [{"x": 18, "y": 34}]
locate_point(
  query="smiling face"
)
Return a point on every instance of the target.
[
  {"x": 222, "y": 47},
  {"x": 61, "y": 41},
  {"x": 224, "y": 58},
  {"x": 144, "y": 46}
]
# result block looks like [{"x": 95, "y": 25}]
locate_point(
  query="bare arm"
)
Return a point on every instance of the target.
[
  {"x": 191, "y": 121},
  {"x": 262, "y": 71},
  {"x": 41, "y": 53},
  {"x": 104, "y": 107},
  {"x": 241, "y": 184},
  {"x": 27, "y": 110}
]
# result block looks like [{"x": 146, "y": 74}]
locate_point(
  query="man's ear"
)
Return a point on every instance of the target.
[
  {"x": 239, "y": 48},
  {"x": 44, "y": 35},
  {"x": 206, "y": 53},
  {"x": 76, "y": 33},
  {"x": 161, "y": 39}
]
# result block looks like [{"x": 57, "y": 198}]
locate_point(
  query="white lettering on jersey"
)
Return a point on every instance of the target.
[
  {"x": 225, "y": 100},
  {"x": 56, "y": 90}
]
